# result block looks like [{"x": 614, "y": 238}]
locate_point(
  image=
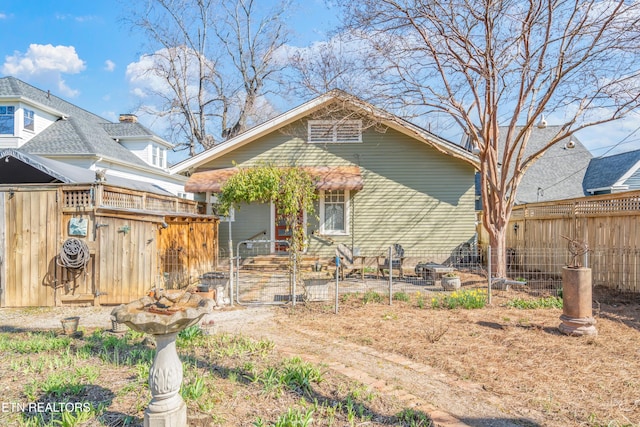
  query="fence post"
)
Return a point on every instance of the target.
[
  {"x": 337, "y": 279},
  {"x": 390, "y": 275},
  {"x": 489, "y": 273},
  {"x": 586, "y": 259},
  {"x": 295, "y": 266}
]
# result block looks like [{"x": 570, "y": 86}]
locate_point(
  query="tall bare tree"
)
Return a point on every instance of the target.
[
  {"x": 497, "y": 67},
  {"x": 212, "y": 59}
]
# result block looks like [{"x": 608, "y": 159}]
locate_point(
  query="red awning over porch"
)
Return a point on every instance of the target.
[{"x": 325, "y": 177}]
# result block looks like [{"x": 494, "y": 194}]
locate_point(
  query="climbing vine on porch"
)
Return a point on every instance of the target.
[{"x": 291, "y": 189}]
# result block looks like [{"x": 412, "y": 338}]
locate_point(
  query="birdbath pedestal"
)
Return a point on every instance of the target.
[{"x": 164, "y": 316}]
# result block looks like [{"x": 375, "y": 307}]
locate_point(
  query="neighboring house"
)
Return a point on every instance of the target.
[
  {"x": 558, "y": 174},
  {"x": 381, "y": 180},
  {"x": 36, "y": 122},
  {"x": 17, "y": 167},
  {"x": 612, "y": 174}
]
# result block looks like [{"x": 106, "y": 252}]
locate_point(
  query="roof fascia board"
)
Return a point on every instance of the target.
[
  {"x": 30, "y": 101},
  {"x": 96, "y": 159},
  {"x": 626, "y": 175},
  {"x": 252, "y": 134},
  {"x": 388, "y": 119},
  {"x": 150, "y": 137},
  {"x": 611, "y": 188}
]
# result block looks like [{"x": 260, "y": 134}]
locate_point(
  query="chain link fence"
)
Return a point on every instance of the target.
[{"x": 537, "y": 271}]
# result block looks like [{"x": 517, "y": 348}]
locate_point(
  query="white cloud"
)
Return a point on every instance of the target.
[
  {"x": 145, "y": 78},
  {"x": 45, "y": 63},
  {"x": 3, "y": 16},
  {"x": 109, "y": 65}
]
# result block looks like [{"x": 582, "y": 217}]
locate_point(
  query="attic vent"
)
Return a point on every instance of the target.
[
  {"x": 128, "y": 118},
  {"x": 328, "y": 131}
]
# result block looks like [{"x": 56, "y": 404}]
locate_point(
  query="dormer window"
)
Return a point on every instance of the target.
[
  {"x": 335, "y": 131},
  {"x": 7, "y": 114},
  {"x": 157, "y": 156},
  {"x": 29, "y": 120}
]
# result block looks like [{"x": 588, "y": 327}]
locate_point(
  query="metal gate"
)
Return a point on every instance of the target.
[{"x": 264, "y": 278}]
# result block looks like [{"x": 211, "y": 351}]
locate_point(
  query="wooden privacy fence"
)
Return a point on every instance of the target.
[
  {"x": 609, "y": 224},
  {"x": 126, "y": 233}
]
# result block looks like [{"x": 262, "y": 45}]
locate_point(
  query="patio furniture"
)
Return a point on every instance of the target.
[
  {"x": 431, "y": 271},
  {"x": 397, "y": 260},
  {"x": 347, "y": 264}
]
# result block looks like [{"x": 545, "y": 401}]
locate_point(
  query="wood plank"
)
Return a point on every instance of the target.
[{"x": 3, "y": 250}]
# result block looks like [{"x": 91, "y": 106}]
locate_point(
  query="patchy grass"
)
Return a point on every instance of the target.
[{"x": 229, "y": 380}]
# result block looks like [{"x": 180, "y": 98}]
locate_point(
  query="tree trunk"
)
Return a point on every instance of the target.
[{"x": 498, "y": 242}]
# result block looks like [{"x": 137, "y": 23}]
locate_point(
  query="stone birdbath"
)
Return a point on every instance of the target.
[{"x": 164, "y": 315}]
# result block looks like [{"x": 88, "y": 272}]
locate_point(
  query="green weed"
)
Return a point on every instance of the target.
[
  {"x": 401, "y": 296},
  {"x": 548, "y": 302},
  {"x": 34, "y": 342},
  {"x": 411, "y": 418},
  {"x": 469, "y": 299},
  {"x": 371, "y": 297},
  {"x": 193, "y": 390}
]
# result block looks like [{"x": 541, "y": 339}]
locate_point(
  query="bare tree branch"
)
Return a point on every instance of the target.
[
  {"x": 496, "y": 67},
  {"x": 211, "y": 61}
]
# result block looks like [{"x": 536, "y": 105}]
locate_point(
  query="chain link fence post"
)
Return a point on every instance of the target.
[{"x": 390, "y": 258}]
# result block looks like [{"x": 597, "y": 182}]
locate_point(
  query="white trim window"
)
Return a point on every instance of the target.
[
  {"x": 158, "y": 156},
  {"x": 7, "y": 113},
  {"x": 29, "y": 120},
  {"x": 335, "y": 131},
  {"x": 334, "y": 212}
]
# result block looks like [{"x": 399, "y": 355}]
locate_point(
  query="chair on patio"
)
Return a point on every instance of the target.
[
  {"x": 346, "y": 260},
  {"x": 397, "y": 256}
]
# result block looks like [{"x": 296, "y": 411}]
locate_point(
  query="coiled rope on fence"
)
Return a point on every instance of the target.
[{"x": 74, "y": 254}]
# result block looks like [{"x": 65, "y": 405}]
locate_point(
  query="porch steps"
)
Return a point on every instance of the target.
[{"x": 280, "y": 263}]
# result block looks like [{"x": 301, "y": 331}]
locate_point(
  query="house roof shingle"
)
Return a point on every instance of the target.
[
  {"x": 78, "y": 132},
  {"x": 558, "y": 174},
  {"x": 607, "y": 172}
]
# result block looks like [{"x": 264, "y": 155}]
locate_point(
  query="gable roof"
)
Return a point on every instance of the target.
[
  {"x": 385, "y": 118},
  {"x": 77, "y": 131},
  {"x": 611, "y": 172},
  {"x": 23, "y": 168}
]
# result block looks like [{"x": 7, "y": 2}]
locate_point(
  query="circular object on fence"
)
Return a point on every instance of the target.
[{"x": 74, "y": 254}]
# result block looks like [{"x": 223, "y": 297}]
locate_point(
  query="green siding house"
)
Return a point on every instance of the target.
[{"x": 383, "y": 179}]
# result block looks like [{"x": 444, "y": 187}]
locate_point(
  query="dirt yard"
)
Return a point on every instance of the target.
[
  {"x": 492, "y": 366},
  {"x": 495, "y": 366}
]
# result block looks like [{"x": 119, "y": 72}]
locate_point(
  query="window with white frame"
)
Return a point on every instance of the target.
[
  {"x": 7, "y": 113},
  {"x": 161, "y": 155},
  {"x": 335, "y": 131},
  {"x": 29, "y": 119},
  {"x": 334, "y": 208},
  {"x": 157, "y": 156}
]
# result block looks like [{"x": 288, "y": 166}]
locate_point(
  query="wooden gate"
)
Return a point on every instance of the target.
[
  {"x": 31, "y": 228},
  {"x": 128, "y": 262},
  {"x": 188, "y": 248}
]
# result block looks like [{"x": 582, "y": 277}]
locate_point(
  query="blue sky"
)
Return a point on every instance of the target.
[{"x": 80, "y": 51}]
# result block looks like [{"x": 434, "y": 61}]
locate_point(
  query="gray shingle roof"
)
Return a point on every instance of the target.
[
  {"x": 121, "y": 130},
  {"x": 81, "y": 133},
  {"x": 604, "y": 172},
  {"x": 558, "y": 174}
]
